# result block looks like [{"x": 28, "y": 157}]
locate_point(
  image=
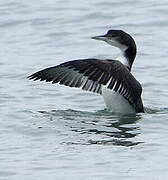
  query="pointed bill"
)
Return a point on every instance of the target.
[{"x": 102, "y": 38}]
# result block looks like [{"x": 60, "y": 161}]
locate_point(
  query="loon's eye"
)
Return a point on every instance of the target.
[
  {"x": 111, "y": 35},
  {"x": 114, "y": 35}
]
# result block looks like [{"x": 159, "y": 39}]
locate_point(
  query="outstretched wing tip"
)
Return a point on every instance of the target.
[
  {"x": 31, "y": 77},
  {"x": 36, "y": 76}
]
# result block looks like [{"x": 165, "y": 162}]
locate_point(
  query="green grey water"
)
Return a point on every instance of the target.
[{"x": 55, "y": 132}]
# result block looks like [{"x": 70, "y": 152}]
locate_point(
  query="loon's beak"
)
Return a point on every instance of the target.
[{"x": 102, "y": 38}]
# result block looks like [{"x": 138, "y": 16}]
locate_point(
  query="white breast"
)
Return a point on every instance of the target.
[{"x": 116, "y": 102}]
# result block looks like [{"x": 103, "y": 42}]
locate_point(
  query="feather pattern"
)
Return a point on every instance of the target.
[{"x": 91, "y": 74}]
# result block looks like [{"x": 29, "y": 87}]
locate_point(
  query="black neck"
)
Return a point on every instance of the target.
[{"x": 130, "y": 54}]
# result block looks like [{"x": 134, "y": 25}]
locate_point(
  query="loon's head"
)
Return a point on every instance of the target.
[{"x": 123, "y": 41}]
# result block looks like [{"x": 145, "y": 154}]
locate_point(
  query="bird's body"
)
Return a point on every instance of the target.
[
  {"x": 116, "y": 103},
  {"x": 110, "y": 78}
]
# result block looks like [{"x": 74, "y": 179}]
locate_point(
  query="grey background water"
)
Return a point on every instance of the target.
[{"x": 55, "y": 132}]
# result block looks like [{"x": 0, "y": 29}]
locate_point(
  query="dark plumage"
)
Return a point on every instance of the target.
[{"x": 91, "y": 74}]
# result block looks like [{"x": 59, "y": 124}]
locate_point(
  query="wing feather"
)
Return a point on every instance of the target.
[{"x": 91, "y": 74}]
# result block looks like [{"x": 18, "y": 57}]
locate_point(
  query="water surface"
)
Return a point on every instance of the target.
[{"x": 55, "y": 132}]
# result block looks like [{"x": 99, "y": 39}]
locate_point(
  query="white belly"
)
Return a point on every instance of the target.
[{"x": 116, "y": 102}]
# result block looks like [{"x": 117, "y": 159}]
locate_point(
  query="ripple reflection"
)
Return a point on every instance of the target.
[{"x": 110, "y": 128}]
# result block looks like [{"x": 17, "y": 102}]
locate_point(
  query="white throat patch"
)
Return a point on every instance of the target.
[
  {"x": 115, "y": 43},
  {"x": 123, "y": 60}
]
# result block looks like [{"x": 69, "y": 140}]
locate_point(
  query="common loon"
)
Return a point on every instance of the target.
[{"x": 110, "y": 78}]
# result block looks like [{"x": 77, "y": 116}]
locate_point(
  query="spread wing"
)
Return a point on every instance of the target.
[{"x": 91, "y": 74}]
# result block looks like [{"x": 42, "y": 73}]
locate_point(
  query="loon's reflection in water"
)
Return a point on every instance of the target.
[{"x": 114, "y": 129}]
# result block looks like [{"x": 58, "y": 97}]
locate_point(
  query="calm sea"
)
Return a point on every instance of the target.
[{"x": 55, "y": 132}]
